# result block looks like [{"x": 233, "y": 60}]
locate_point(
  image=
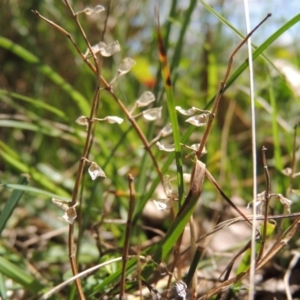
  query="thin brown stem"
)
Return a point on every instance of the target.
[
  {"x": 221, "y": 88},
  {"x": 294, "y": 160},
  {"x": 267, "y": 200},
  {"x": 75, "y": 16},
  {"x": 71, "y": 242},
  {"x": 176, "y": 259},
  {"x": 69, "y": 36},
  {"x": 78, "y": 180},
  {"x": 139, "y": 270},
  {"x": 218, "y": 188},
  {"x": 193, "y": 251},
  {"x": 106, "y": 19},
  {"x": 94, "y": 109},
  {"x": 127, "y": 235},
  {"x": 229, "y": 267}
]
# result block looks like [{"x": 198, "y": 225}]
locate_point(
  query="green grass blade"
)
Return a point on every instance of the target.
[
  {"x": 193, "y": 266},
  {"x": 180, "y": 42},
  {"x": 12, "y": 158},
  {"x": 79, "y": 99},
  {"x": 172, "y": 14},
  {"x": 40, "y": 126},
  {"x": 165, "y": 71},
  {"x": 275, "y": 130},
  {"x": 164, "y": 247},
  {"x": 15, "y": 273},
  {"x": 33, "y": 190},
  {"x": 28, "y": 126},
  {"x": 35, "y": 102},
  {"x": 131, "y": 265},
  {"x": 174, "y": 232},
  {"x": 283, "y": 181},
  {"x": 2, "y": 288},
  {"x": 11, "y": 203}
]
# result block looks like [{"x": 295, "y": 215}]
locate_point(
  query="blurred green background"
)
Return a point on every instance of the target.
[{"x": 45, "y": 87}]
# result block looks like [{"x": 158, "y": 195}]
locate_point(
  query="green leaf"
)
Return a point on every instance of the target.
[
  {"x": 79, "y": 99},
  {"x": 11, "y": 203},
  {"x": 3, "y": 291},
  {"x": 34, "y": 190},
  {"x": 15, "y": 273},
  {"x": 13, "y": 159},
  {"x": 35, "y": 102},
  {"x": 166, "y": 75}
]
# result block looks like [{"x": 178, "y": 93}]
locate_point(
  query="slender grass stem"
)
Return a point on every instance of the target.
[{"x": 127, "y": 235}]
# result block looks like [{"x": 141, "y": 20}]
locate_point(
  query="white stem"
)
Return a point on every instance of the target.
[{"x": 253, "y": 130}]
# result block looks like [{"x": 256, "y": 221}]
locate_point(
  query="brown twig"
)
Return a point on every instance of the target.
[
  {"x": 267, "y": 200},
  {"x": 218, "y": 188},
  {"x": 98, "y": 64},
  {"x": 221, "y": 89},
  {"x": 71, "y": 243},
  {"x": 192, "y": 253},
  {"x": 75, "y": 17},
  {"x": 127, "y": 236},
  {"x": 228, "y": 269},
  {"x": 106, "y": 19},
  {"x": 294, "y": 161},
  {"x": 175, "y": 262},
  {"x": 69, "y": 36}
]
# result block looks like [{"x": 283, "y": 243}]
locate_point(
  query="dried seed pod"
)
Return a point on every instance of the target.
[
  {"x": 113, "y": 119},
  {"x": 198, "y": 120},
  {"x": 152, "y": 113},
  {"x": 167, "y": 148},
  {"x": 145, "y": 99},
  {"x": 70, "y": 211},
  {"x": 163, "y": 204},
  {"x": 188, "y": 112},
  {"x": 92, "y": 10},
  {"x": 126, "y": 65},
  {"x": 95, "y": 171}
]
